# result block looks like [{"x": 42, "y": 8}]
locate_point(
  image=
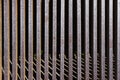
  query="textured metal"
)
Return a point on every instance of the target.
[
  {"x": 38, "y": 50},
  {"x": 110, "y": 39},
  {"x": 102, "y": 40},
  {"x": 87, "y": 39},
  {"x": 94, "y": 27},
  {"x": 94, "y": 39},
  {"x": 14, "y": 39},
  {"x": 30, "y": 38},
  {"x": 6, "y": 15},
  {"x": 62, "y": 43},
  {"x": 54, "y": 38},
  {"x": 79, "y": 40},
  {"x": 46, "y": 76},
  {"x": 118, "y": 40},
  {"x": 70, "y": 39},
  {"x": 22, "y": 38}
]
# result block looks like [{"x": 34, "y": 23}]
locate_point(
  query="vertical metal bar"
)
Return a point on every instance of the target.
[
  {"x": 22, "y": 38},
  {"x": 62, "y": 43},
  {"x": 102, "y": 39},
  {"x": 79, "y": 40},
  {"x": 54, "y": 38},
  {"x": 1, "y": 40},
  {"x": 86, "y": 39},
  {"x": 14, "y": 39},
  {"x": 94, "y": 39},
  {"x": 38, "y": 77},
  {"x": 30, "y": 39},
  {"x": 46, "y": 38},
  {"x": 6, "y": 39},
  {"x": 70, "y": 39},
  {"x": 118, "y": 40},
  {"x": 110, "y": 39}
]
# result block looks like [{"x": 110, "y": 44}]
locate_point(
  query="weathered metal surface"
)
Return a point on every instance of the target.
[
  {"x": 46, "y": 54},
  {"x": 87, "y": 53},
  {"x": 79, "y": 40},
  {"x": 70, "y": 39},
  {"x": 30, "y": 39},
  {"x": 93, "y": 63},
  {"x": 62, "y": 36},
  {"x": 14, "y": 39},
  {"x": 110, "y": 40},
  {"x": 6, "y": 15},
  {"x": 22, "y": 38},
  {"x": 102, "y": 40},
  {"x": 118, "y": 40},
  {"x": 94, "y": 39},
  {"x": 38, "y": 49},
  {"x": 54, "y": 54}
]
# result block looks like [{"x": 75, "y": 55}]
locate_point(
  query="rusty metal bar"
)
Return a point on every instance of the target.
[
  {"x": 46, "y": 55},
  {"x": 110, "y": 40},
  {"x": 70, "y": 39},
  {"x": 87, "y": 39},
  {"x": 102, "y": 40},
  {"x": 79, "y": 40},
  {"x": 22, "y": 39},
  {"x": 6, "y": 23},
  {"x": 54, "y": 38},
  {"x": 118, "y": 40},
  {"x": 30, "y": 39},
  {"x": 94, "y": 39},
  {"x": 14, "y": 39},
  {"x": 1, "y": 40},
  {"x": 62, "y": 43},
  {"x": 38, "y": 76}
]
